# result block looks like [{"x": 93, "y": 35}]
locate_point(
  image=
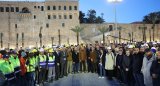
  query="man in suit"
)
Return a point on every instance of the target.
[
  {"x": 63, "y": 62},
  {"x": 57, "y": 63}
]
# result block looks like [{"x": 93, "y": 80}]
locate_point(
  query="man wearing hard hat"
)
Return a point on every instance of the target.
[
  {"x": 8, "y": 70},
  {"x": 51, "y": 65},
  {"x": 31, "y": 69},
  {"x": 16, "y": 64},
  {"x": 42, "y": 65}
]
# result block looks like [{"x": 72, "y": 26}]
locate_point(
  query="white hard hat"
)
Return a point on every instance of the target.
[
  {"x": 153, "y": 48},
  {"x": 146, "y": 45},
  {"x": 109, "y": 48},
  {"x": 130, "y": 46},
  {"x": 41, "y": 50}
]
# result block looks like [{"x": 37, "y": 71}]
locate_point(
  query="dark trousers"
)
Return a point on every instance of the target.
[
  {"x": 102, "y": 71},
  {"x": 17, "y": 80},
  {"x": 110, "y": 74},
  {"x": 156, "y": 81},
  {"x": 10, "y": 83},
  {"x": 42, "y": 75},
  {"x": 119, "y": 74},
  {"x": 37, "y": 76},
  {"x": 63, "y": 69},
  {"x": 75, "y": 67},
  {"x": 30, "y": 78},
  {"x": 89, "y": 65},
  {"x": 57, "y": 70},
  {"x": 94, "y": 67},
  {"x": 83, "y": 66},
  {"x": 128, "y": 78},
  {"x": 139, "y": 80},
  {"x": 23, "y": 80}
]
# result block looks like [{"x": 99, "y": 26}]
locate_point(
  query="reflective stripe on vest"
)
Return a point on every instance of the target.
[
  {"x": 31, "y": 65},
  {"x": 42, "y": 60},
  {"x": 17, "y": 70},
  {"x": 10, "y": 76},
  {"x": 51, "y": 61}
]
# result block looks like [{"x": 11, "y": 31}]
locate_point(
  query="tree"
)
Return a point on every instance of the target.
[
  {"x": 81, "y": 17},
  {"x": 52, "y": 38},
  {"x": 59, "y": 37},
  {"x": 40, "y": 36},
  {"x": 91, "y": 15},
  {"x": 77, "y": 30},
  {"x": 99, "y": 20},
  {"x": 17, "y": 35},
  {"x": 130, "y": 38},
  {"x": 1, "y": 40},
  {"x": 152, "y": 18},
  {"x": 103, "y": 30},
  {"x": 22, "y": 39},
  {"x": 119, "y": 29}
]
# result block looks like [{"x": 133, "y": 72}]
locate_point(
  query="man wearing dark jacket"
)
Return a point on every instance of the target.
[
  {"x": 57, "y": 63},
  {"x": 119, "y": 59},
  {"x": 126, "y": 68},
  {"x": 75, "y": 58},
  {"x": 137, "y": 65},
  {"x": 63, "y": 62},
  {"x": 155, "y": 70}
]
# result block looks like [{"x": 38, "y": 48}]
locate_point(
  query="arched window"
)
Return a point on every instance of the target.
[{"x": 25, "y": 10}]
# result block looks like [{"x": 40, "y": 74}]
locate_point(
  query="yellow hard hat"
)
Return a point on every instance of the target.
[
  {"x": 50, "y": 50},
  {"x": 34, "y": 50},
  {"x": 46, "y": 49}
]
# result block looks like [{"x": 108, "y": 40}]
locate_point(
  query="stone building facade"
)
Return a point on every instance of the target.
[{"x": 27, "y": 17}]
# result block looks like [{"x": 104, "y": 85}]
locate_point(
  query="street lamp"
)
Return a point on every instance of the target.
[{"x": 115, "y": 12}]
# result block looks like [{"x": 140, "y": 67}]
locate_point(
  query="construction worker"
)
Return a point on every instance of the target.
[
  {"x": 30, "y": 69},
  {"x": 51, "y": 65},
  {"x": 16, "y": 64},
  {"x": 42, "y": 66},
  {"x": 2, "y": 77},
  {"x": 36, "y": 57},
  {"x": 8, "y": 70}
]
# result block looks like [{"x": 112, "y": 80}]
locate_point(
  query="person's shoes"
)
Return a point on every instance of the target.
[{"x": 102, "y": 77}]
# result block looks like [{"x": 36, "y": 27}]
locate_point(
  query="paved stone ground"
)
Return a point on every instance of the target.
[{"x": 83, "y": 79}]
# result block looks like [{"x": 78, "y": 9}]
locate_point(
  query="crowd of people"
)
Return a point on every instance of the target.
[{"x": 134, "y": 64}]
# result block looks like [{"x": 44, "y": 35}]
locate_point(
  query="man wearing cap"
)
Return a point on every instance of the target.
[
  {"x": 155, "y": 70},
  {"x": 51, "y": 65},
  {"x": 147, "y": 62},
  {"x": 16, "y": 64},
  {"x": 109, "y": 63}
]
